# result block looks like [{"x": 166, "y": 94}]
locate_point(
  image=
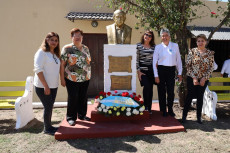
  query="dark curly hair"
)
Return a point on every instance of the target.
[{"x": 152, "y": 42}]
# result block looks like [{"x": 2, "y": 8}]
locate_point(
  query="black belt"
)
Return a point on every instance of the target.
[{"x": 166, "y": 66}]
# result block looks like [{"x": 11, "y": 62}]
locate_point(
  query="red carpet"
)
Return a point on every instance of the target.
[{"x": 151, "y": 124}]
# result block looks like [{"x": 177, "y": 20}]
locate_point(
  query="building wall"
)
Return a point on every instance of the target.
[
  {"x": 205, "y": 12},
  {"x": 24, "y": 24}
]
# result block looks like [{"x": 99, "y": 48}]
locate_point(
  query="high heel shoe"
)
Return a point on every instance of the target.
[
  {"x": 183, "y": 119},
  {"x": 199, "y": 120}
]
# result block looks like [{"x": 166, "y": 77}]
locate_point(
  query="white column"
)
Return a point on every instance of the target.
[{"x": 119, "y": 51}]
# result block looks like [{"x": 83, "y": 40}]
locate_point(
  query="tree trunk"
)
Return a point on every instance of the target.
[
  {"x": 182, "y": 91},
  {"x": 182, "y": 38}
]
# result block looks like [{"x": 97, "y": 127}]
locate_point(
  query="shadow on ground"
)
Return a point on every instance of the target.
[
  {"x": 223, "y": 119},
  {"x": 114, "y": 144},
  {"x": 34, "y": 126}
]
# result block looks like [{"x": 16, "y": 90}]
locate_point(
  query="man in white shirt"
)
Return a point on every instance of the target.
[
  {"x": 215, "y": 66},
  {"x": 226, "y": 68},
  {"x": 166, "y": 59},
  {"x": 225, "y": 71}
]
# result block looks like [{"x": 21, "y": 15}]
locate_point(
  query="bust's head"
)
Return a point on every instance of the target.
[{"x": 119, "y": 17}]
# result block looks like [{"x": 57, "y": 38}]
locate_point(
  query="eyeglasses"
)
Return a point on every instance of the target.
[
  {"x": 150, "y": 36},
  {"x": 55, "y": 59},
  {"x": 77, "y": 36}
]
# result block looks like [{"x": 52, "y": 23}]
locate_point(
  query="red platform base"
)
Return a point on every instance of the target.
[{"x": 155, "y": 124}]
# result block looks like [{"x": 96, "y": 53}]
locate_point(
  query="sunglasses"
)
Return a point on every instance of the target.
[{"x": 150, "y": 36}]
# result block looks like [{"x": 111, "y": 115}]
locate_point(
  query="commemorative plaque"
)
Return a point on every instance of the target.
[
  {"x": 121, "y": 82},
  {"x": 120, "y": 64}
]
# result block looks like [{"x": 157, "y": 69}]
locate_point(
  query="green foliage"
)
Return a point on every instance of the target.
[
  {"x": 172, "y": 14},
  {"x": 155, "y": 14},
  {"x": 222, "y": 12}
]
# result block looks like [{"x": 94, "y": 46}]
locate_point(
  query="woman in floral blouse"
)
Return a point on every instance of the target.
[
  {"x": 200, "y": 64},
  {"x": 75, "y": 74}
]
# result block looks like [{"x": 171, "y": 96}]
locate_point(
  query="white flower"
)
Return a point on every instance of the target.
[
  {"x": 102, "y": 106},
  {"x": 107, "y": 107},
  {"x": 142, "y": 108},
  {"x": 128, "y": 113},
  {"x": 105, "y": 110},
  {"x": 128, "y": 109},
  {"x": 99, "y": 109},
  {"x": 135, "y": 112}
]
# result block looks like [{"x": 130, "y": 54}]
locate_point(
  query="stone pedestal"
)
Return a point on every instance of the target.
[{"x": 120, "y": 68}]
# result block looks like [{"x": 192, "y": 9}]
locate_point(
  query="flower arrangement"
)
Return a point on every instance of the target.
[{"x": 117, "y": 110}]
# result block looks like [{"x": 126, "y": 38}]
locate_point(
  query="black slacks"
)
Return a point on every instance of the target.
[
  {"x": 226, "y": 83},
  {"x": 77, "y": 99},
  {"x": 194, "y": 92},
  {"x": 166, "y": 75},
  {"x": 47, "y": 102},
  {"x": 147, "y": 82}
]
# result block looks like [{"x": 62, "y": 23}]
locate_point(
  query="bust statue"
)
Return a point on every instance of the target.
[{"x": 119, "y": 33}]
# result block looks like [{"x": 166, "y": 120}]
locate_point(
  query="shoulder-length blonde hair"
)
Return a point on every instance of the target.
[{"x": 45, "y": 46}]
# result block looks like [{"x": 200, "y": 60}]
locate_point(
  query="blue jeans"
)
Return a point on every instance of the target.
[{"x": 48, "y": 102}]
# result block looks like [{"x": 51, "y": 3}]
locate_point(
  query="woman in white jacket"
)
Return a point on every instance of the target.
[{"x": 46, "y": 68}]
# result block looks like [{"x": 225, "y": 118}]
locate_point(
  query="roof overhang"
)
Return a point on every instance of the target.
[
  {"x": 221, "y": 34},
  {"x": 72, "y": 16}
]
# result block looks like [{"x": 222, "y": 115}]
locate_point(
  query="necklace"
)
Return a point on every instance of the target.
[{"x": 202, "y": 50}]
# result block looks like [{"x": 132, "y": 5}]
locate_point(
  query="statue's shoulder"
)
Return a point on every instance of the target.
[
  {"x": 110, "y": 26},
  {"x": 127, "y": 27}
]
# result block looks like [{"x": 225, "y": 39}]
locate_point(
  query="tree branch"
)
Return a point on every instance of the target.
[
  {"x": 138, "y": 6},
  {"x": 162, "y": 8},
  {"x": 218, "y": 27},
  {"x": 179, "y": 4},
  {"x": 182, "y": 13}
]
